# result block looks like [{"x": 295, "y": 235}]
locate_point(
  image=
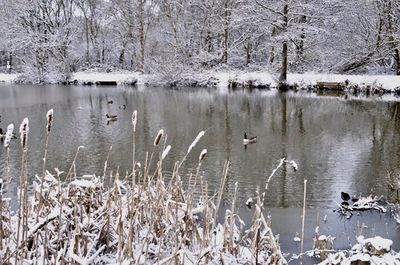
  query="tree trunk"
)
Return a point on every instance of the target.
[
  {"x": 283, "y": 76},
  {"x": 397, "y": 60},
  {"x": 121, "y": 59},
  {"x": 226, "y": 32},
  {"x": 392, "y": 40},
  {"x": 87, "y": 40},
  {"x": 300, "y": 44},
  {"x": 272, "y": 51},
  {"x": 378, "y": 36},
  {"x": 10, "y": 61},
  {"x": 142, "y": 38},
  {"x": 248, "y": 51}
]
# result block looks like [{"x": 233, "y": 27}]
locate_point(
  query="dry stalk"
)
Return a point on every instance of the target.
[
  {"x": 106, "y": 162},
  {"x": 49, "y": 117},
  {"x": 303, "y": 217},
  {"x": 192, "y": 145},
  {"x": 233, "y": 216},
  {"x": 134, "y": 123},
  {"x": 281, "y": 162},
  {"x": 73, "y": 163},
  {"x": 221, "y": 189}
]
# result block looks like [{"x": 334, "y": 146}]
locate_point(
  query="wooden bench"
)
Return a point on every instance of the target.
[
  {"x": 106, "y": 83},
  {"x": 330, "y": 85}
]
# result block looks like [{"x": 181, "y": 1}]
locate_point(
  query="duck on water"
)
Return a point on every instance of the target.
[
  {"x": 250, "y": 140},
  {"x": 111, "y": 117}
]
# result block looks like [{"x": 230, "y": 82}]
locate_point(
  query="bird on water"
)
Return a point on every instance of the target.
[{"x": 250, "y": 140}]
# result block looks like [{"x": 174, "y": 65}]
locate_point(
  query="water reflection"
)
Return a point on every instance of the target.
[{"x": 340, "y": 145}]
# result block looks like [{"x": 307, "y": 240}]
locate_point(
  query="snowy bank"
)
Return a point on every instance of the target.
[
  {"x": 120, "y": 78},
  {"x": 8, "y": 78},
  {"x": 236, "y": 80},
  {"x": 266, "y": 80},
  {"x": 389, "y": 82},
  {"x": 376, "y": 250}
]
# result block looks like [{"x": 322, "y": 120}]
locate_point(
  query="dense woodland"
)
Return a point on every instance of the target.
[{"x": 49, "y": 39}]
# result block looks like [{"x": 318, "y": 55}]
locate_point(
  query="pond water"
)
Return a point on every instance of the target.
[{"x": 339, "y": 145}]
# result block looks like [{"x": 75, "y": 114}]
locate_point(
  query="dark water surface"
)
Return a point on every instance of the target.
[{"x": 339, "y": 145}]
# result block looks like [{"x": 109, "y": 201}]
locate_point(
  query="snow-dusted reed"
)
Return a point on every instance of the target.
[{"x": 137, "y": 219}]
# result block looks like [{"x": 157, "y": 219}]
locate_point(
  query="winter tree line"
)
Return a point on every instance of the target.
[{"x": 49, "y": 39}]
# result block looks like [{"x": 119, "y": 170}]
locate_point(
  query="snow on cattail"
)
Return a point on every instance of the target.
[
  {"x": 49, "y": 117},
  {"x": 9, "y": 134},
  {"x": 202, "y": 155},
  {"x": 24, "y": 130},
  {"x": 198, "y": 137},
  {"x": 158, "y": 137},
  {"x": 165, "y": 152},
  {"x": 134, "y": 120}
]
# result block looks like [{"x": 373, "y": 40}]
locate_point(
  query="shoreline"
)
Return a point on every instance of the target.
[{"x": 312, "y": 82}]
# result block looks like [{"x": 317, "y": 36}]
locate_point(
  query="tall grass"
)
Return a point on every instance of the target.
[{"x": 139, "y": 220}]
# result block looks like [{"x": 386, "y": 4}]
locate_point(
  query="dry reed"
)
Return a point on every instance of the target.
[{"x": 84, "y": 221}]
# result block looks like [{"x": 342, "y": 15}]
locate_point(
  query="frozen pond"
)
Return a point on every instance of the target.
[{"x": 339, "y": 145}]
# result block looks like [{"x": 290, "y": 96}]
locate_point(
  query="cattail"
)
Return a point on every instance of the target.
[
  {"x": 49, "y": 117},
  {"x": 165, "y": 152},
  {"x": 202, "y": 155},
  {"x": 24, "y": 130},
  {"x": 158, "y": 137},
  {"x": 195, "y": 141},
  {"x": 134, "y": 120},
  {"x": 9, "y": 134}
]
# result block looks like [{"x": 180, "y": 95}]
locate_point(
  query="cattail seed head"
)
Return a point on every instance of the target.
[
  {"x": 165, "y": 152},
  {"x": 198, "y": 137},
  {"x": 158, "y": 137},
  {"x": 134, "y": 120},
  {"x": 202, "y": 155},
  {"x": 9, "y": 134},
  {"x": 24, "y": 130},
  {"x": 49, "y": 117}
]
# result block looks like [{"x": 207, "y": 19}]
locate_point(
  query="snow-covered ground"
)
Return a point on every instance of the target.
[
  {"x": 8, "y": 78},
  {"x": 222, "y": 79},
  {"x": 119, "y": 77},
  {"x": 389, "y": 82}
]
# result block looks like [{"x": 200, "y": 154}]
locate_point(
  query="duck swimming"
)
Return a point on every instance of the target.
[
  {"x": 111, "y": 117},
  {"x": 122, "y": 106},
  {"x": 249, "y": 140}
]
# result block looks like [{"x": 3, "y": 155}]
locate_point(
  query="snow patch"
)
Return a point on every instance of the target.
[
  {"x": 389, "y": 82},
  {"x": 8, "y": 78},
  {"x": 119, "y": 77}
]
